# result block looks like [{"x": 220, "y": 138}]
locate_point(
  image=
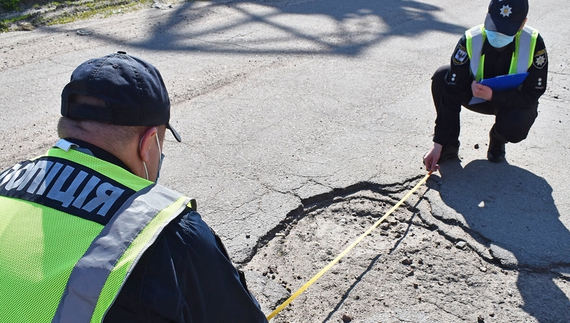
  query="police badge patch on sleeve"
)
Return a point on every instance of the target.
[
  {"x": 540, "y": 59},
  {"x": 460, "y": 55}
]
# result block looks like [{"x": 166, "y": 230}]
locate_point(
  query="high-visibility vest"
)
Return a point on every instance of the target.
[
  {"x": 72, "y": 228},
  {"x": 525, "y": 43}
]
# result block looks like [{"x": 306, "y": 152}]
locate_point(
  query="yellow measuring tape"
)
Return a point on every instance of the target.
[{"x": 342, "y": 254}]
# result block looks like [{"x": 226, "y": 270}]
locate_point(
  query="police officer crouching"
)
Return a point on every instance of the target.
[
  {"x": 504, "y": 45},
  {"x": 86, "y": 234}
]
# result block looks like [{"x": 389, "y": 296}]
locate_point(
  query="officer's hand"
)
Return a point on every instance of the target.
[
  {"x": 481, "y": 91},
  {"x": 432, "y": 157}
]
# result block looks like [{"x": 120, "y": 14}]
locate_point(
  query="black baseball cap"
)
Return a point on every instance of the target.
[
  {"x": 506, "y": 16},
  {"x": 133, "y": 92}
]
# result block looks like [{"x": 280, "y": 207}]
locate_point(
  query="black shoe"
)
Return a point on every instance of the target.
[
  {"x": 449, "y": 151},
  {"x": 496, "y": 152}
]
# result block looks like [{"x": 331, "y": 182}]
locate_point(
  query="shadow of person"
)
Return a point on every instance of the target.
[
  {"x": 511, "y": 211},
  {"x": 344, "y": 27}
]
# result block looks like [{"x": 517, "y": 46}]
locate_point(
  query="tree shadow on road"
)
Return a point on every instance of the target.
[
  {"x": 512, "y": 211},
  {"x": 332, "y": 27}
]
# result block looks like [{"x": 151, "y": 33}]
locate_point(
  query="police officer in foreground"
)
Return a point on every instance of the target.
[
  {"x": 86, "y": 234},
  {"x": 504, "y": 45}
]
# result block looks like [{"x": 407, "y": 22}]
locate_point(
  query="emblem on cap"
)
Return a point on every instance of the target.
[{"x": 506, "y": 11}]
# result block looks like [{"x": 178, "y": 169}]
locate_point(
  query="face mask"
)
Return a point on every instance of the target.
[
  {"x": 498, "y": 40},
  {"x": 160, "y": 161}
]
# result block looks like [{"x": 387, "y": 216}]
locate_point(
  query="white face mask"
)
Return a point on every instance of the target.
[
  {"x": 160, "y": 160},
  {"x": 499, "y": 40}
]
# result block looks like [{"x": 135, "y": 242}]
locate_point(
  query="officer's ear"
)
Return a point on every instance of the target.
[{"x": 146, "y": 142}]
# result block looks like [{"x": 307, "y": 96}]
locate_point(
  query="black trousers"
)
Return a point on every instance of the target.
[{"x": 511, "y": 124}]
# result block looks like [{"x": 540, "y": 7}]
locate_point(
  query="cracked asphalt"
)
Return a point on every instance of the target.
[{"x": 284, "y": 105}]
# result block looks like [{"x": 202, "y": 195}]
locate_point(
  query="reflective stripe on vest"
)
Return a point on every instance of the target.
[
  {"x": 45, "y": 252},
  {"x": 525, "y": 43}
]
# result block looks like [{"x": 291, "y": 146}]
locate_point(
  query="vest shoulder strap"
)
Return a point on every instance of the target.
[
  {"x": 524, "y": 52},
  {"x": 475, "y": 37},
  {"x": 99, "y": 275}
]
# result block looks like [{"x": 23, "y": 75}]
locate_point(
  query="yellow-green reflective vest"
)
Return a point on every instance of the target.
[
  {"x": 525, "y": 43},
  {"x": 66, "y": 259}
]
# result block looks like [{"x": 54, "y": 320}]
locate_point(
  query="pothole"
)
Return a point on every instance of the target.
[{"x": 401, "y": 272}]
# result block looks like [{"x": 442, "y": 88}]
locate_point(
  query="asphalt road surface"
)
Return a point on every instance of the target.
[{"x": 287, "y": 107}]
